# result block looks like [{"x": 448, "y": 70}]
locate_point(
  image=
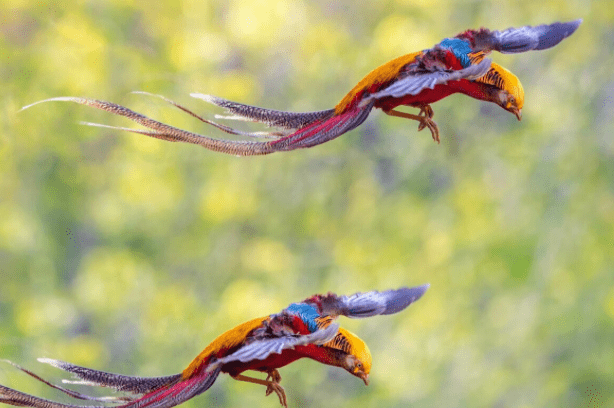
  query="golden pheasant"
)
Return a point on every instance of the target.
[
  {"x": 305, "y": 329},
  {"x": 418, "y": 79}
]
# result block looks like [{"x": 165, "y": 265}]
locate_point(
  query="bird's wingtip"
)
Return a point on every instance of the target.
[
  {"x": 399, "y": 299},
  {"x": 574, "y": 24},
  {"x": 414, "y": 293},
  {"x": 420, "y": 290}
]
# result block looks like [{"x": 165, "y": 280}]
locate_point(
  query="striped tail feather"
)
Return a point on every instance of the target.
[
  {"x": 303, "y": 130},
  {"x": 67, "y": 391},
  {"x": 323, "y": 130},
  {"x": 13, "y": 397},
  {"x": 157, "y": 392},
  {"x": 178, "y": 393},
  {"x": 88, "y": 376},
  {"x": 270, "y": 117}
]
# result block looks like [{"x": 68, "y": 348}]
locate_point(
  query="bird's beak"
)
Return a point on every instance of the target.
[
  {"x": 518, "y": 113},
  {"x": 365, "y": 378}
]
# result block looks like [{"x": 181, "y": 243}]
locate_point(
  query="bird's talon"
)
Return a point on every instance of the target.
[
  {"x": 435, "y": 133},
  {"x": 273, "y": 378},
  {"x": 279, "y": 390},
  {"x": 432, "y": 127}
]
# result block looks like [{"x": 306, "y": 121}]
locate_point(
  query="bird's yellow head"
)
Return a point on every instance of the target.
[
  {"x": 511, "y": 94},
  {"x": 358, "y": 359}
]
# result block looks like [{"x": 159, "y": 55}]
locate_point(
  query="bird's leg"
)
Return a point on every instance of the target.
[
  {"x": 271, "y": 385},
  {"x": 425, "y": 121},
  {"x": 427, "y": 111},
  {"x": 274, "y": 377}
]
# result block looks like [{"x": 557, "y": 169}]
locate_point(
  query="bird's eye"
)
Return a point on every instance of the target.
[
  {"x": 359, "y": 365},
  {"x": 512, "y": 99}
]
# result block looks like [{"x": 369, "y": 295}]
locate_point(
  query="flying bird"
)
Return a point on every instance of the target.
[
  {"x": 456, "y": 64},
  {"x": 305, "y": 329}
]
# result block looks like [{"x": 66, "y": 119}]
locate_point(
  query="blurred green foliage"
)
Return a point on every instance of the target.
[{"x": 130, "y": 254}]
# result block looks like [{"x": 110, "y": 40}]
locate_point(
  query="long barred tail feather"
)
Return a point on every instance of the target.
[
  {"x": 306, "y": 129},
  {"x": 178, "y": 393},
  {"x": 159, "y": 392},
  {"x": 270, "y": 117},
  {"x": 223, "y": 128},
  {"x": 67, "y": 391},
  {"x": 170, "y": 133},
  {"x": 135, "y": 385},
  {"x": 13, "y": 397},
  {"x": 322, "y": 131}
]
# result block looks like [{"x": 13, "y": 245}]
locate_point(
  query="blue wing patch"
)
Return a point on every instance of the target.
[
  {"x": 307, "y": 313},
  {"x": 459, "y": 48}
]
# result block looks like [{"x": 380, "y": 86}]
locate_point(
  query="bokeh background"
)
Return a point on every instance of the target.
[{"x": 129, "y": 254}]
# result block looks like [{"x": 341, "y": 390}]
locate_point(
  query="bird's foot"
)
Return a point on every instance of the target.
[
  {"x": 271, "y": 386},
  {"x": 272, "y": 377},
  {"x": 427, "y": 112},
  {"x": 427, "y": 122},
  {"x": 425, "y": 119},
  {"x": 274, "y": 387}
]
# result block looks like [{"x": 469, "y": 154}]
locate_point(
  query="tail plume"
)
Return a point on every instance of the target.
[
  {"x": 178, "y": 393},
  {"x": 13, "y": 397},
  {"x": 322, "y": 131},
  {"x": 135, "y": 385},
  {"x": 285, "y": 120},
  {"x": 149, "y": 392},
  {"x": 302, "y": 130}
]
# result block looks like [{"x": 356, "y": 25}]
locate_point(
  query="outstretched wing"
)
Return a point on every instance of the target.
[
  {"x": 262, "y": 348},
  {"x": 415, "y": 82},
  {"x": 523, "y": 39},
  {"x": 373, "y": 303}
]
